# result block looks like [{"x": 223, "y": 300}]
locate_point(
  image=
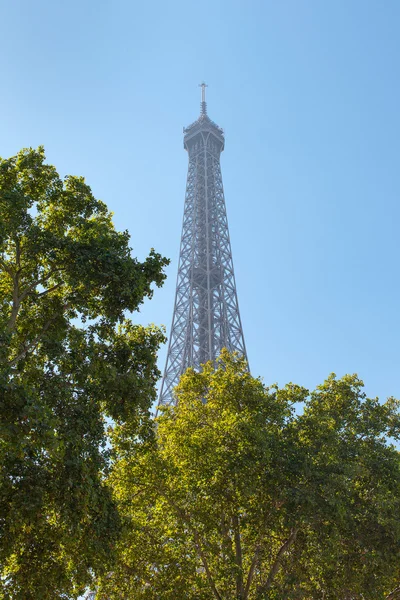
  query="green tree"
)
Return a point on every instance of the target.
[
  {"x": 70, "y": 362},
  {"x": 238, "y": 495}
]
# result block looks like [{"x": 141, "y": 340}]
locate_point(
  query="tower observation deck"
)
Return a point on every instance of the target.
[{"x": 206, "y": 313}]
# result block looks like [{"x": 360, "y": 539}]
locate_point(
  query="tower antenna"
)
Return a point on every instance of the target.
[{"x": 203, "y": 105}]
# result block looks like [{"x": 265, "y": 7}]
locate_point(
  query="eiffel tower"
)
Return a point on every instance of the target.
[{"x": 206, "y": 314}]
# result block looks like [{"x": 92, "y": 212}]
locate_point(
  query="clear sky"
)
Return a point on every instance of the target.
[{"x": 308, "y": 94}]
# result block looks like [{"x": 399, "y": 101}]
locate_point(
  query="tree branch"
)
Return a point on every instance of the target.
[
  {"x": 37, "y": 339},
  {"x": 238, "y": 558},
  {"x": 252, "y": 569},
  {"x": 186, "y": 519},
  {"x": 55, "y": 287},
  {"x": 6, "y": 267},
  {"x": 204, "y": 560},
  {"x": 37, "y": 282},
  {"x": 257, "y": 550},
  {"x": 15, "y": 278},
  {"x": 14, "y": 310},
  {"x": 394, "y": 595},
  {"x": 17, "y": 297},
  {"x": 226, "y": 543},
  {"x": 15, "y": 305},
  {"x": 276, "y": 566}
]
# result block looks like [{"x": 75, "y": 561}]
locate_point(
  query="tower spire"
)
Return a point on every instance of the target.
[{"x": 203, "y": 104}]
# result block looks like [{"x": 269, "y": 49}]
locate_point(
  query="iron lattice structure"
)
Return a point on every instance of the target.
[{"x": 206, "y": 314}]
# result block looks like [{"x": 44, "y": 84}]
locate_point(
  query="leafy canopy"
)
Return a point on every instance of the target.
[
  {"x": 69, "y": 359},
  {"x": 237, "y": 495}
]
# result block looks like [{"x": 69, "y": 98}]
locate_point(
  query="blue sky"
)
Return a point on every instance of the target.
[{"x": 308, "y": 95}]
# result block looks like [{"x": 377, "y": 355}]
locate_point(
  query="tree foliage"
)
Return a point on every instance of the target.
[
  {"x": 239, "y": 495},
  {"x": 68, "y": 360}
]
